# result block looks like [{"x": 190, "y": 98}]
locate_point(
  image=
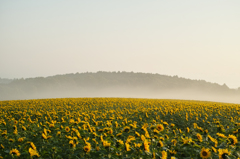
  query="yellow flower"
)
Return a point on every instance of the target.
[
  {"x": 143, "y": 138},
  {"x": 67, "y": 129},
  {"x": 164, "y": 155},
  {"x": 121, "y": 142},
  {"x": 87, "y": 148},
  {"x": 188, "y": 130},
  {"x": 106, "y": 143},
  {"x": 215, "y": 150},
  {"x": 160, "y": 127},
  {"x": 21, "y": 139},
  {"x": 221, "y": 135},
  {"x": 174, "y": 141},
  {"x": 33, "y": 152},
  {"x": 44, "y": 136},
  {"x": 173, "y": 152},
  {"x": 15, "y": 151},
  {"x": 138, "y": 145},
  {"x": 160, "y": 143},
  {"x": 146, "y": 146},
  {"x": 205, "y": 153},
  {"x": 234, "y": 139},
  {"x": 127, "y": 147},
  {"x": 4, "y": 132},
  {"x": 119, "y": 134},
  {"x": 199, "y": 136},
  {"x": 223, "y": 153},
  {"x": 33, "y": 146},
  {"x": 137, "y": 133},
  {"x": 71, "y": 121},
  {"x": 187, "y": 140},
  {"x": 126, "y": 128}
]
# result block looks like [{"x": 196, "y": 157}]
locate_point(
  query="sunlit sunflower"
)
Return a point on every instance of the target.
[
  {"x": 33, "y": 146},
  {"x": 146, "y": 146},
  {"x": 127, "y": 147},
  {"x": 15, "y": 151},
  {"x": 205, "y": 153},
  {"x": 67, "y": 129},
  {"x": 126, "y": 129},
  {"x": 233, "y": 140},
  {"x": 33, "y": 152},
  {"x": 164, "y": 155},
  {"x": 199, "y": 136},
  {"x": 20, "y": 139},
  {"x": 215, "y": 150},
  {"x": 87, "y": 148},
  {"x": 160, "y": 127},
  {"x": 223, "y": 153},
  {"x": 160, "y": 143},
  {"x": 44, "y": 136}
]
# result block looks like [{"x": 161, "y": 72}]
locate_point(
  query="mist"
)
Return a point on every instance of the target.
[{"x": 117, "y": 84}]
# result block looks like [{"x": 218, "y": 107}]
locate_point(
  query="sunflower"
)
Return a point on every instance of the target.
[
  {"x": 160, "y": 127},
  {"x": 143, "y": 138},
  {"x": 160, "y": 143},
  {"x": 205, "y": 153},
  {"x": 223, "y": 153},
  {"x": 15, "y": 151},
  {"x": 44, "y": 136},
  {"x": 221, "y": 135},
  {"x": 188, "y": 130},
  {"x": 120, "y": 142},
  {"x": 146, "y": 146},
  {"x": 137, "y": 133},
  {"x": 164, "y": 155},
  {"x": 87, "y": 148},
  {"x": 127, "y": 147},
  {"x": 126, "y": 128},
  {"x": 199, "y": 136},
  {"x": 215, "y": 150},
  {"x": 2, "y": 146},
  {"x": 67, "y": 129},
  {"x": 234, "y": 139},
  {"x": 33, "y": 146},
  {"x": 106, "y": 143},
  {"x": 174, "y": 141},
  {"x": 21, "y": 139},
  {"x": 33, "y": 152}
]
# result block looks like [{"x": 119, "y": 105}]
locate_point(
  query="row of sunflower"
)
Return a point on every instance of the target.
[{"x": 119, "y": 128}]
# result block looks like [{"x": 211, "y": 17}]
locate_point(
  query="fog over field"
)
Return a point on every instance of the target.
[
  {"x": 196, "y": 40},
  {"x": 117, "y": 84}
]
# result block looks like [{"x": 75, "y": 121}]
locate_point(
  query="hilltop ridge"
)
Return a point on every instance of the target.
[{"x": 116, "y": 84}]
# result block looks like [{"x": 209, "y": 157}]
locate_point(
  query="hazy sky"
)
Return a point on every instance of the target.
[{"x": 192, "y": 39}]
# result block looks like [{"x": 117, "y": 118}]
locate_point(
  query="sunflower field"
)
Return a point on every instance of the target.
[{"x": 124, "y": 128}]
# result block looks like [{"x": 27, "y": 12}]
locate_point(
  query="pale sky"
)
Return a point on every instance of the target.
[{"x": 196, "y": 39}]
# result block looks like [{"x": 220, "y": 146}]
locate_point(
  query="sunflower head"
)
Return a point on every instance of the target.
[
  {"x": 67, "y": 129},
  {"x": 87, "y": 148},
  {"x": 126, "y": 129},
  {"x": 160, "y": 127},
  {"x": 205, "y": 153},
  {"x": 223, "y": 153},
  {"x": 15, "y": 151},
  {"x": 233, "y": 139}
]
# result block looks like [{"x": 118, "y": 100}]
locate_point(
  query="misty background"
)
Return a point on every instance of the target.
[
  {"x": 196, "y": 40},
  {"x": 117, "y": 84}
]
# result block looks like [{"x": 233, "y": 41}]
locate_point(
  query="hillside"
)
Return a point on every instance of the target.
[{"x": 116, "y": 84}]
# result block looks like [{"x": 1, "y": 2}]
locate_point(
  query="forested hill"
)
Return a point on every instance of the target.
[{"x": 116, "y": 84}]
